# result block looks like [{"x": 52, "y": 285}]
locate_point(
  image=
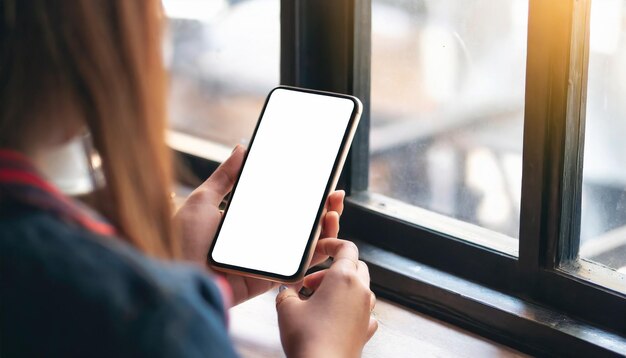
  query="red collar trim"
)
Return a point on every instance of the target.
[{"x": 22, "y": 182}]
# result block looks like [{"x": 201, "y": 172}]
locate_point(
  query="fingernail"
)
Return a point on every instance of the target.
[
  {"x": 281, "y": 288},
  {"x": 235, "y": 149}
]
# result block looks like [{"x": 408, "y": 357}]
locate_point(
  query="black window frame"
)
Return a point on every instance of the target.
[{"x": 326, "y": 45}]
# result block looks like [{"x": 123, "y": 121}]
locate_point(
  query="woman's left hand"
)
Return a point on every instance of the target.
[{"x": 199, "y": 217}]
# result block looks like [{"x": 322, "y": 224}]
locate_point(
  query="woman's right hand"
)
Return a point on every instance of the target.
[{"x": 335, "y": 321}]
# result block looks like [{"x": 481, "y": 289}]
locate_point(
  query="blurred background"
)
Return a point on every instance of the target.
[{"x": 448, "y": 82}]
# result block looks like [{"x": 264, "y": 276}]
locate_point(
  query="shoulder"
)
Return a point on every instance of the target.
[{"x": 76, "y": 290}]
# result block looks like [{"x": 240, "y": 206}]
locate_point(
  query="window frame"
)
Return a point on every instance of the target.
[
  {"x": 326, "y": 45},
  {"x": 558, "y": 40}
]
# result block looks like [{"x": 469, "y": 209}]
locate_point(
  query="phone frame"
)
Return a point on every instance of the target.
[{"x": 331, "y": 183}]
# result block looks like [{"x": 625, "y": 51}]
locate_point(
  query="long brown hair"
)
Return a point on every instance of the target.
[{"x": 104, "y": 58}]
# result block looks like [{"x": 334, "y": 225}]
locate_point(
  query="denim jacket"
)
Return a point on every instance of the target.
[{"x": 69, "y": 288}]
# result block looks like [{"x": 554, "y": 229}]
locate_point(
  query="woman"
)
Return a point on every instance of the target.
[{"x": 80, "y": 283}]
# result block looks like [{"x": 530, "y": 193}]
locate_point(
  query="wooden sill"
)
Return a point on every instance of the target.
[
  {"x": 523, "y": 324},
  {"x": 401, "y": 333}
]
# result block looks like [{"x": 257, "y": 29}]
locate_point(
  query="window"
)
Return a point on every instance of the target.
[
  {"x": 448, "y": 107},
  {"x": 223, "y": 60},
  {"x": 603, "y": 228},
  {"x": 483, "y": 121}
]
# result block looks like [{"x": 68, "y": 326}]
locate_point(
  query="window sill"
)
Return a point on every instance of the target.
[
  {"x": 253, "y": 326},
  {"x": 521, "y": 324}
]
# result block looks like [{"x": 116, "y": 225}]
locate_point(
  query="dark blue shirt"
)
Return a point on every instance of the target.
[{"x": 67, "y": 291}]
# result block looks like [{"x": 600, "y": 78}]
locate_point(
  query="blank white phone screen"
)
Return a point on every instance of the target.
[{"x": 281, "y": 187}]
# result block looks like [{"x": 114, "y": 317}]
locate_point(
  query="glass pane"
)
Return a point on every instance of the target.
[
  {"x": 223, "y": 58},
  {"x": 603, "y": 229},
  {"x": 448, "y": 81}
]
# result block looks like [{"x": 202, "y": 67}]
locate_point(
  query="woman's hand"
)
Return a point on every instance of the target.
[
  {"x": 335, "y": 321},
  {"x": 199, "y": 217}
]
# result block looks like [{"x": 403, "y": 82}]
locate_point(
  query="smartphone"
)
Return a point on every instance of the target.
[{"x": 273, "y": 219}]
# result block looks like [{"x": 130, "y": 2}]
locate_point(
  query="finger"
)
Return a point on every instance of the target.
[
  {"x": 338, "y": 249},
  {"x": 287, "y": 297},
  {"x": 221, "y": 182},
  {"x": 318, "y": 259},
  {"x": 372, "y": 301},
  {"x": 364, "y": 273},
  {"x": 372, "y": 327},
  {"x": 314, "y": 280},
  {"x": 335, "y": 201},
  {"x": 331, "y": 224},
  {"x": 344, "y": 264}
]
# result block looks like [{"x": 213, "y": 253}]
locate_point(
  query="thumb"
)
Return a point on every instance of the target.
[
  {"x": 221, "y": 182},
  {"x": 286, "y": 299}
]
